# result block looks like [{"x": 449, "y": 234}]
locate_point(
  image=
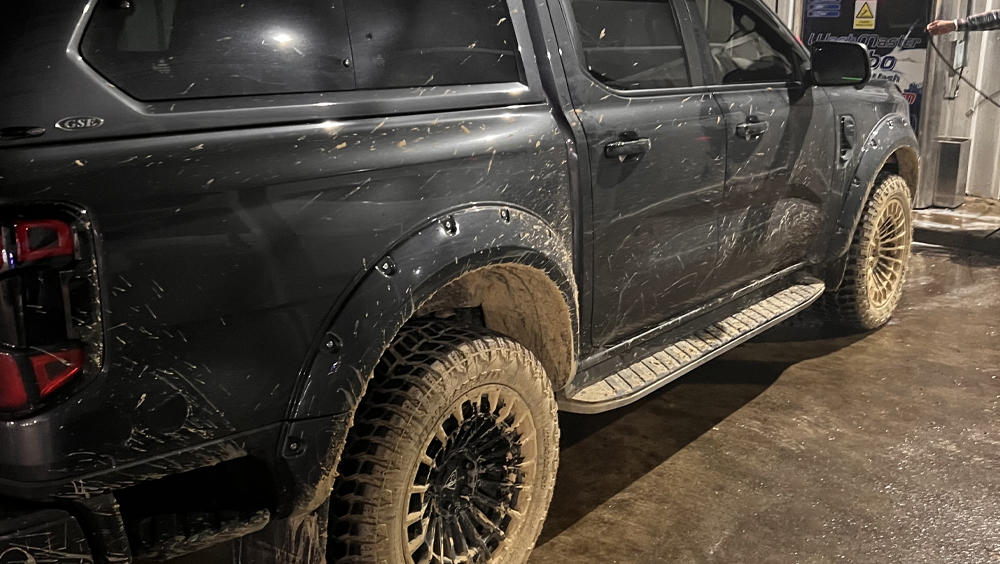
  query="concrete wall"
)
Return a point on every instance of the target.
[{"x": 968, "y": 115}]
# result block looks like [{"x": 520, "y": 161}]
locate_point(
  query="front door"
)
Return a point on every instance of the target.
[
  {"x": 657, "y": 145},
  {"x": 781, "y": 142}
]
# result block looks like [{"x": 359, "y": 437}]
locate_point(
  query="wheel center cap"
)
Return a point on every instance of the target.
[{"x": 455, "y": 481}]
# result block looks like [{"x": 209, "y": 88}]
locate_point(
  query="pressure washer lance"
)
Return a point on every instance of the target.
[{"x": 961, "y": 77}]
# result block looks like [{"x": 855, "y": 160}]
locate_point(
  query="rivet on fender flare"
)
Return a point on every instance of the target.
[
  {"x": 449, "y": 225},
  {"x": 332, "y": 343},
  {"x": 386, "y": 266}
]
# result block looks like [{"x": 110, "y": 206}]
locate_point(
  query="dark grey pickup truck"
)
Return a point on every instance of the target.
[{"x": 318, "y": 275}]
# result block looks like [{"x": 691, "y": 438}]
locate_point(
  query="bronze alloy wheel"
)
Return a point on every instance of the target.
[
  {"x": 887, "y": 253},
  {"x": 876, "y": 260}
]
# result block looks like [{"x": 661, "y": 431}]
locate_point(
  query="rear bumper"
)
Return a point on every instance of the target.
[{"x": 47, "y": 536}]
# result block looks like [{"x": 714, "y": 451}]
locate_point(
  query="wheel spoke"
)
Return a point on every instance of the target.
[
  {"x": 506, "y": 485},
  {"x": 412, "y": 518},
  {"x": 414, "y": 544},
  {"x": 504, "y": 412},
  {"x": 485, "y": 522},
  {"x": 515, "y": 515},
  {"x": 881, "y": 277},
  {"x": 448, "y": 541},
  {"x": 460, "y": 544},
  {"x": 494, "y": 399},
  {"x": 457, "y": 413},
  {"x": 520, "y": 465},
  {"x": 500, "y": 506},
  {"x": 441, "y": 435},
  {"x": 886, "y": 230},
  {"x": 472, "y": 493},
  {"x": 897, "y": 237},
  {"x": 481, "y": 446},
  {"x": 470, "y": 532}
]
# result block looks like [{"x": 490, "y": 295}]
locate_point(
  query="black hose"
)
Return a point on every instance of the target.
[{"x": 962, "y": 78}]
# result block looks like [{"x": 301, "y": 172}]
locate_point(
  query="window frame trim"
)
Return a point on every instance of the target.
[{"x": 241, "y": 110}]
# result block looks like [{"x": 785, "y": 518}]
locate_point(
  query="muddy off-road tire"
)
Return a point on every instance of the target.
[
  {"x": 452, "y": 456},
  {"x": 877, "y": 259}
]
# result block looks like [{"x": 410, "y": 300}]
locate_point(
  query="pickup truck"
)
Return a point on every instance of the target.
[{"x": 319, "y": 275}]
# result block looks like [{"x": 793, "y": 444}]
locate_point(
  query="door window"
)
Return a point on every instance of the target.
[
  {"x": 743, "y": 48},
  {"x": 632, "y": 45}
]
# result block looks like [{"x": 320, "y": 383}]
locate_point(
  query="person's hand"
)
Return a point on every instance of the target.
[{"x": 941, "y": 26}]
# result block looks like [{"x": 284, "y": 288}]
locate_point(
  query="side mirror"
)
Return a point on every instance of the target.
[{"x": 840, "y": 64}]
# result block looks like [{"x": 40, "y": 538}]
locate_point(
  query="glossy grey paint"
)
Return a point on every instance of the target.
[
  {"x": 883, "y": 128},
  {"x": 654, "y": 216},
  {"x": 48, "y": 52},
  {"x": 778, "y": 186},
  {"x": 221, "y": 270},
  {"x": 222, "y": 252},
  {"x": 235, "y": 233}
]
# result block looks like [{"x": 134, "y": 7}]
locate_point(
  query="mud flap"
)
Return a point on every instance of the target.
[{"x": 295, "y": 540}]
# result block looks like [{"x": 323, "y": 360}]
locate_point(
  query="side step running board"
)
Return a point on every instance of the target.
[{"x": 684, "y": 355}]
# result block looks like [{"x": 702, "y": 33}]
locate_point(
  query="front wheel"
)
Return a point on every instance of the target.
[
  {"x": 877, "y": 258},
  {"x": 452, "y": 456}
]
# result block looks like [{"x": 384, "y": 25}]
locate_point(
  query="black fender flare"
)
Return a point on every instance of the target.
[
  {"x": 888, "y": 136},
  {"x": 359, "y": 329},
  {"x": 410, "y": 273}
]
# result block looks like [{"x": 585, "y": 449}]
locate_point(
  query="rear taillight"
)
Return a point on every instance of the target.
[
  {"x": 13, "y": 397},
  {"x": 47, "y": 372},
  {"x": 50, "y": 322},
  {"x": 43, "y": 238},
  {"x": 53, "y": 369}
]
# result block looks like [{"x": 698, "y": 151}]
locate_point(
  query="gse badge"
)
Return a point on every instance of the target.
[{"x": 78, "y": 123}]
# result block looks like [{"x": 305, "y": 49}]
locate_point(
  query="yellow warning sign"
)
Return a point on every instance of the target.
[{"x": 864, "y": 14}]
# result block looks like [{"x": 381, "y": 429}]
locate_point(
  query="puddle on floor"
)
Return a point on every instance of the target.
[{"x": 976, "y": 216}]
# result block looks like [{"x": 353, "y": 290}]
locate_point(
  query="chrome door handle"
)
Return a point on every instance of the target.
[
  {"x": 627, "y": 148},
  {"x": 752, "y": 129}
]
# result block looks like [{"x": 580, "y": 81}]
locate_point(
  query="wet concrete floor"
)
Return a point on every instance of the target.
[{"x": 805, "y": 446}]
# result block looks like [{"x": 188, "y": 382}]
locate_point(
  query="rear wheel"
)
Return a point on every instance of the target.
[
  {"x": 453, "y": 454},
  {"x": 877, "y": 259}
]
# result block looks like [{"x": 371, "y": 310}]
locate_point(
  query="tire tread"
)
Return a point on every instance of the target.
[{"x": 411, "y": 369}]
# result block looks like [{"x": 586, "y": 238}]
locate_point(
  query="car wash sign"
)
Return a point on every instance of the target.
[{"x": 893, "y": 30}]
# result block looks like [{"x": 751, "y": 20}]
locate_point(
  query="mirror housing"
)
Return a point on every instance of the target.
[{"x": 840, "y": 64}]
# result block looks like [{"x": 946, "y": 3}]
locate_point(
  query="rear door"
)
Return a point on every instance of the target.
[
  {"x": 780, "y": 141},
  {"x": 656, "y": 141}
]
